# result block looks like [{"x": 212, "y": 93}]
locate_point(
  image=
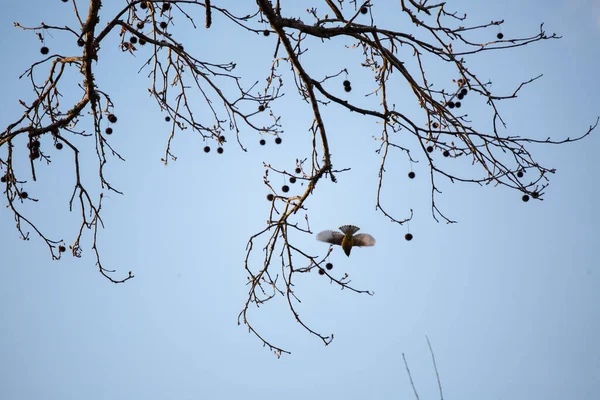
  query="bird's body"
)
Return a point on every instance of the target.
[{"x": 347, "y": 239}]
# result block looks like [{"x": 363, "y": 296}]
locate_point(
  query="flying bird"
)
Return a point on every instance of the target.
[{"x": 347, "y": 238}]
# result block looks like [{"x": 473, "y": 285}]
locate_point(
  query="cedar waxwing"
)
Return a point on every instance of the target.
[{"x": 347, "y": 239}]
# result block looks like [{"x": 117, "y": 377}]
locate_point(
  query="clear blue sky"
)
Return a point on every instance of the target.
[{"x": 508, "y": 296}]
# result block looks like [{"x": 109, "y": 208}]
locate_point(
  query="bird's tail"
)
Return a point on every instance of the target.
[{"x": 349, "y": 229}]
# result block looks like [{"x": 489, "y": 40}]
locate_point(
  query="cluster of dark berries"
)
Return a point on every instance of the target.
[
  {"x": 219, "y": 149},
  {"x": 34, "y": 149},
  {"x": 329, "y": 267},
  {"x": 278, "y": 140},
  {"x": 525, "y": 197},
  {"x": 347, "y": 86}
]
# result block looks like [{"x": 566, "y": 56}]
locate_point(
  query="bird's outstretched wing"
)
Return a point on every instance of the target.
[
  {"x": 363, "y": 239},
  {"x": 349, "y": 229},
  {"x": 330, "y": 237}
]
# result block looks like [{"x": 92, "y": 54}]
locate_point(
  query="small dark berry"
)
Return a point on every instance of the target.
[
  {"x": 62, "y": 249},
  {"x": 163, "y": 24},
  {"x": 35, "y": 144},
  {"x": 429, "y": 149},
  {"x": 346, "y": 83},
  {"x": 329, "y": 266},
  {"x": 411, "y": 175},
  {"x": 408, "y": 236},
  {"x": 520, "y": 174},
  {"x": 285, "y": 188},
  {"x": 263, "y": 142},
  {"x": 58, "y": 146},
  {"x": 457, "y": 104},
  {"x": 446, "y": 153},
  {"x": 348, "y": 88},
  {"x": 525, "y": 198},
  {"x": 44, "y": 50},
  {"x": 34, "y": 154},
  {"x": 206, "y": 149},
  {"x": 321, "y": 271},
  {"x": 500, "y": 35},
  {"x": 133, "y": 40},
  {"x": 142, "y": 42},
  {"x": 221, "y": 139},
  {"x": 450, "y": 104},
  {"x": 270, "y": 197},
  {"x": 292, "y": 179},
  {"x": 535, "y": 195},
  {"x": 261, "y": 108},
  {"x": 140, "y": 25},
  {"x": 64, "y": 1},
  {"x": 364, "y": 10},
  {"x": 23, "y": 195},
  {"x": 460, "y": 96},
  {"x": 220, "y": 150},
  {"x": 266, "y": 33},
  {"x": 435, "y": 125},
  {"x": 298, "y": 170},
  {"x": 112, "y": 118},
  {"x": 143, "y": 6},
  {"x": 464, "y": 92},
  {"x": 3, "y": 179},
  {"x": 278, "y": 140},
  {"x": 80, "y": 42},
  {"x": 108, "y": 130},
  {"x": 166, "y": 6},
  {"x": 167, "y": 118}
]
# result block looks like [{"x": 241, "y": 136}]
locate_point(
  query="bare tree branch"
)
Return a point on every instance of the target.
[{"x": 399, "y": 62}]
